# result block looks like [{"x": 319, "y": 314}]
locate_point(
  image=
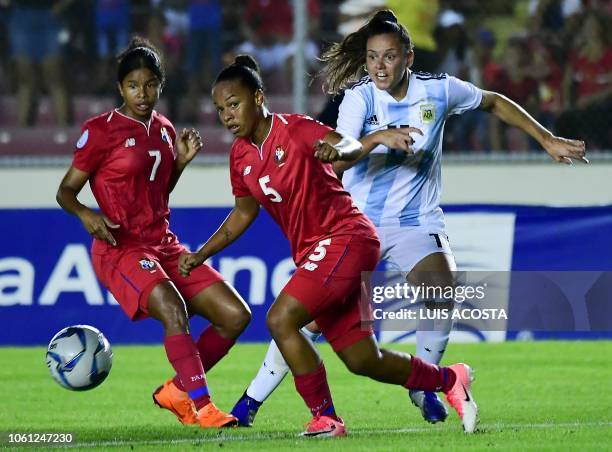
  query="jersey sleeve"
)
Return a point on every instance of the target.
[
  {"x": 239, "y": 188},
  {"x": 351, "y": 114},
  {"x": 89, "y": 150},
  {"x": 462, "y": 96},
  {"x": 173, "y": 137},
  {"x": 308, "y": 131}
]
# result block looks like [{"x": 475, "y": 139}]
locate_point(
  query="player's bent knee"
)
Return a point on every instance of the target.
[
  {"x": 175, "y": 317},
  {"x": 275, "y": 323},
  {"x": 237, "y": 322},
  {"x": 169, "y": 309}
]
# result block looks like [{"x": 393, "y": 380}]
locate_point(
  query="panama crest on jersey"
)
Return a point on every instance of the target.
[
  {"x": 279, "y": 155},
  {"x": 164, "y": 135},
  {"x": 146, "y": 264}
]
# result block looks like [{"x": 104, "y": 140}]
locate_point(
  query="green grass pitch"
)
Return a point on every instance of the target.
[{"x": 532, "y": 395}]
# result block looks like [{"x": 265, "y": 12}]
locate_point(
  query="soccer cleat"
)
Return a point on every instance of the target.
[
  {"x": 324, "y": 426},
  {"x": 209, "y": 416},
  {"x": 245, "y": 410},
  {"x": 460, "y": 397},
  {"x": 432, "y": 408},
  {"x": 169, "y": 397}
]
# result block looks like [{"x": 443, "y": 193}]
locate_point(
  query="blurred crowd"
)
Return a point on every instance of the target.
[{"x": 554, "y": 57}]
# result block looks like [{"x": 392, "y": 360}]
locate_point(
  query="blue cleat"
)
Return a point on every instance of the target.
[
  {"x": 432, "y": 408},
  {"x": 245, "y": 410}
]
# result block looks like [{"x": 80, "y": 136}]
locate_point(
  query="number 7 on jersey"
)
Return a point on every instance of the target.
[{"x": 157, "y": 156}]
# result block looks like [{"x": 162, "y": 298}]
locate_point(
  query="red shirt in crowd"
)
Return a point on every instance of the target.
[
  {"x": 274, "y": 17},
  {"x": 592, "y": 76}
]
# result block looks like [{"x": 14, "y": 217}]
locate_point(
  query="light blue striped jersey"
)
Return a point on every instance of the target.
[{"x": 391, "y": 187}]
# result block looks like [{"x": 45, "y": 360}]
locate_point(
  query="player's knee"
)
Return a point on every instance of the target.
[
  {"x": 169, "y": 309},
  {"x": 275, "y": 322},
  {"x": 235, "y": 323},
  {"x": 242, "y": 319},
  {"x": 175, "y": 318}
]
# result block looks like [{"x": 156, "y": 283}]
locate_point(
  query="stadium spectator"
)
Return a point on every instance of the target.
[
  {"x": 354, "y": 13},
  {"x": 588, "y": 83},
  {"x": 80, "y": 48},
  {"x": 554, "y": 19},
  {"x": 420, "y": 17},
  {"x": 113, "y": 26},
  {"x": 454, "y": 54},
  {"x": 331, "y": 246},
  {"x": 133, "y": 158},
  {"x": 516, "y": 81},
  {"x": 170, "y": 44},
  {"x": 204, "y": 51},
  {"x": 455, "y": 58},
  {"x": 34, "y": 28},
  {"x": 267, "y": 27},
  {"x": 4, "y": 48},
  {"x": 548, "y": 73}
]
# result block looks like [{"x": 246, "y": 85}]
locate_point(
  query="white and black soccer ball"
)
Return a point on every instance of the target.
[{"x": 79, "y": 357}]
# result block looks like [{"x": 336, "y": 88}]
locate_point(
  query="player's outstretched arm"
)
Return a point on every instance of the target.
[
  {"x": 396, "y": 138},
  {"x": 188, "y": 144},
  {"x": 562, "y": 150},
  {"x": 245, "y": 211},
  {"x": 96, "y": 225}
]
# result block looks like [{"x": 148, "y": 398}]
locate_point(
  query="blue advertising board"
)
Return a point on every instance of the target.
[{"x": 47, "y": 281}]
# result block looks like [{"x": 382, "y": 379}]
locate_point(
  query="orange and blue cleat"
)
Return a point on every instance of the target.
[
  {"x": 171, "y": 398},
  {"x": 209, "y": 416},
  {"x": 460, "y": 397}
]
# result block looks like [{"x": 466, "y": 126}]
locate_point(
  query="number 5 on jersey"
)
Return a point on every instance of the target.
[
  {"x": 319, "y": 253},
  {"x": 269, "y": 191}
]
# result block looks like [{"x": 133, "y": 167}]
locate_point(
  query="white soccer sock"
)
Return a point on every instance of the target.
[
  {"x": 432, "y": 338},
  {"x": 273, "y": 370}
]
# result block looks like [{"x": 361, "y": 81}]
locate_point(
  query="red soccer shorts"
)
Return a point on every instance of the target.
[
  {"x": 328, "y": 283},
  {"x": 131, "y": 273}
]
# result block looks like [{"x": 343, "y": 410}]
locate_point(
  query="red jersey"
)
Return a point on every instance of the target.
[
  {"x": 130, "y": 164},
  {"x": 300, "y": 192}
]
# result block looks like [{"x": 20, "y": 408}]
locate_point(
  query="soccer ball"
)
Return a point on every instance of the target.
[{"x": 79, "y": 357}]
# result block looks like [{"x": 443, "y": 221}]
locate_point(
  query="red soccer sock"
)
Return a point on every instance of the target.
[
  {"x": 184, "y": 357},
  {"x": 315, "y": 391},
  {"x": 212, "y": 347},
  {"x": 429, "y": 377}
]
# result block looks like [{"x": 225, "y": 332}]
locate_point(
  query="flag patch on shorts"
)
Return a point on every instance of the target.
[{"x": 146, "y": 264}]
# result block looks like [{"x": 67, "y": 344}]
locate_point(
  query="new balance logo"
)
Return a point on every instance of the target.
[{"x": 372, "y": 121}]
